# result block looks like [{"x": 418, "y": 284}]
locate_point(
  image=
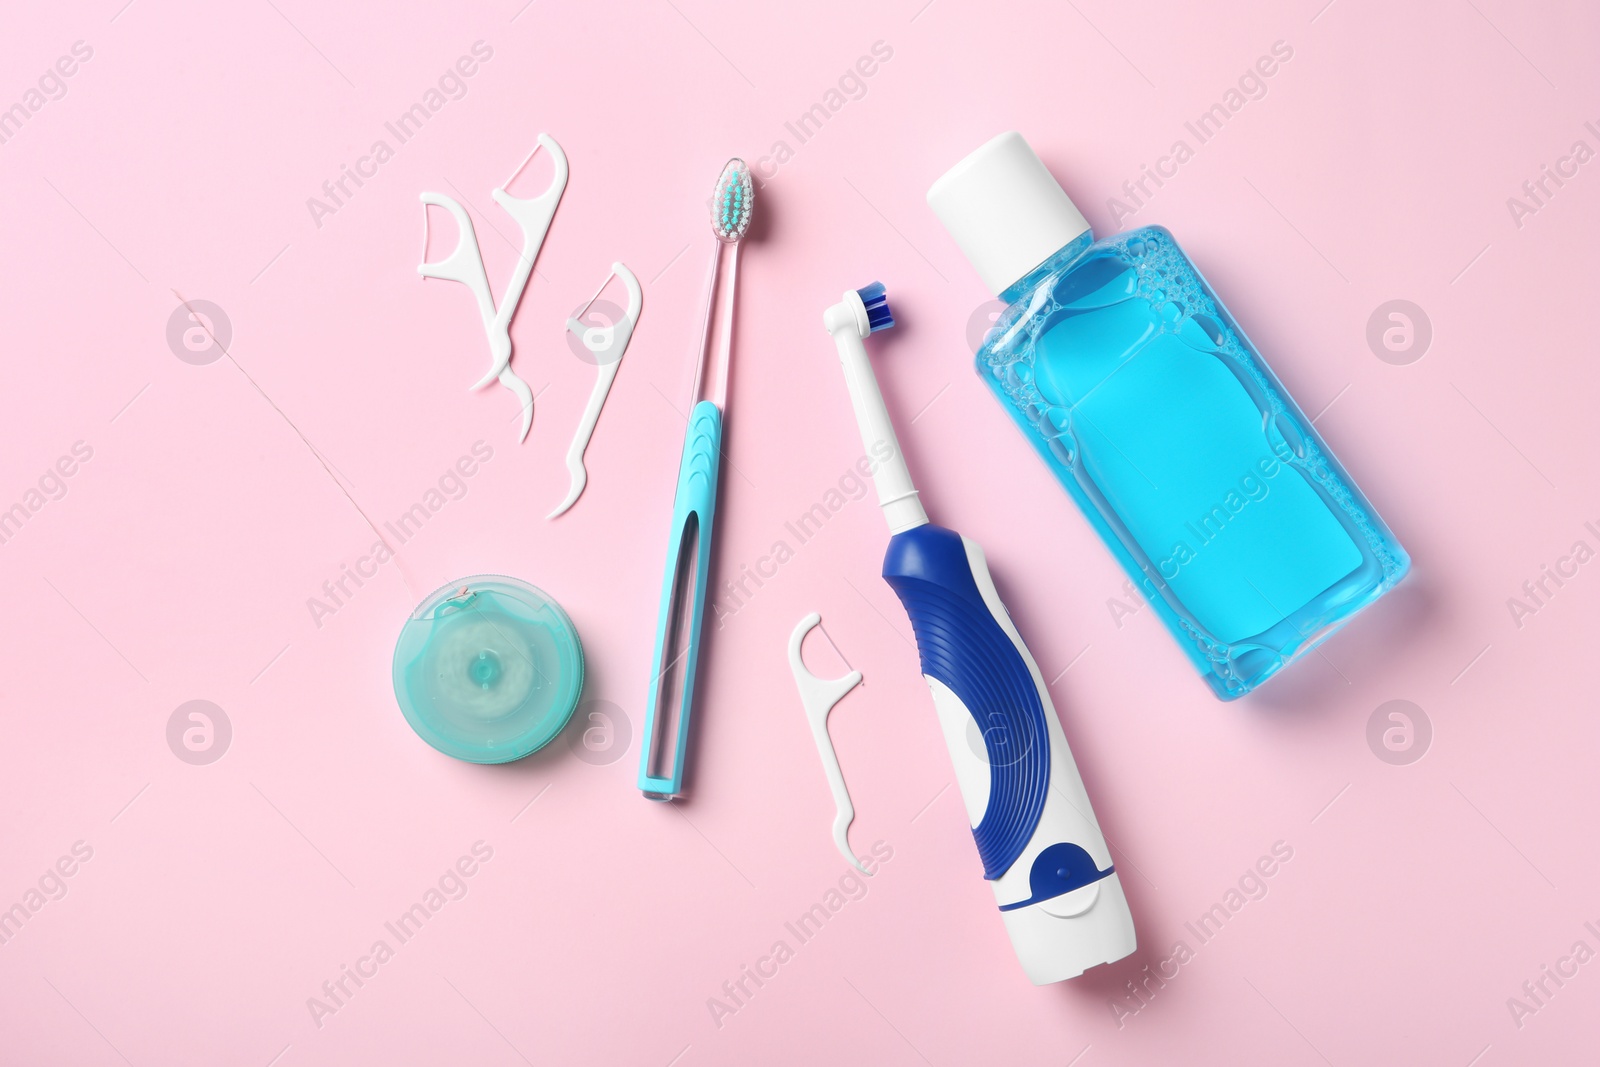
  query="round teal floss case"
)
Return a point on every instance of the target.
[{"x": 488, "y": 669}]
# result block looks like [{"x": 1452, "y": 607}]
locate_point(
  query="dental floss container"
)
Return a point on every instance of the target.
[{"x": 488, "y": 669}]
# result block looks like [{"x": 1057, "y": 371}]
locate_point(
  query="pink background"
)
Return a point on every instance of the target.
[{"x": 178, "y": 564}]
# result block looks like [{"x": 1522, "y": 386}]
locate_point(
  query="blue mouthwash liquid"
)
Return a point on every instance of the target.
[{"x": 1130, "y": 378}]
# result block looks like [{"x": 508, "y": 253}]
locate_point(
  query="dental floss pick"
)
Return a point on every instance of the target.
[
  {"x": 818, "y": 696},
  {"x": 465, "y": 265},
  {"x": 534, "y": 215},
  {"x": 602, "y": 342}
]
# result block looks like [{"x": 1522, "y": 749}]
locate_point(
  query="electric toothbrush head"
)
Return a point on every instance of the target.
[
  {"x": 875, "y": 302},
  {"x": 860, "y": 313}
]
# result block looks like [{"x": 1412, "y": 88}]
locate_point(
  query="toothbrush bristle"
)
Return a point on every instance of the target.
[
  {"x": 876, "y": 300},
  {"x": 732, "y": 201}
]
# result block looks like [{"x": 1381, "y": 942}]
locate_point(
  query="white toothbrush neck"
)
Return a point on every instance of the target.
[{"x": 897, "y": 496}]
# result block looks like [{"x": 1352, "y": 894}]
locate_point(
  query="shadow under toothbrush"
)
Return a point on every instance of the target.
[{"x": 761, "y": 215}]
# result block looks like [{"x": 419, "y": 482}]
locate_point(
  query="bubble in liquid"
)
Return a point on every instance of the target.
[{"x": 1212, "y": 328}]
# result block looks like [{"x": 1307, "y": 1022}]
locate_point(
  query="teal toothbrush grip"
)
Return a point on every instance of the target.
[{"x": 693, "y": 516}]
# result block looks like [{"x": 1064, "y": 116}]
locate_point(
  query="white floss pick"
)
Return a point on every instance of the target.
[
  {"x": 607, "y": 344},
  {"x": 818, "y": 696}
]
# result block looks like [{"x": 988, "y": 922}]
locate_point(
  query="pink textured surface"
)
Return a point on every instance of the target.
[{"x": 178, "y": 561}]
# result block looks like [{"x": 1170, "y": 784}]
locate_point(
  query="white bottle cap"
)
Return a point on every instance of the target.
[{"x": 1005, "y": 210}]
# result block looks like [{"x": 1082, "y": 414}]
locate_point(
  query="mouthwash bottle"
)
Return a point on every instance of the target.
[{"x": 1130, "y": 378}]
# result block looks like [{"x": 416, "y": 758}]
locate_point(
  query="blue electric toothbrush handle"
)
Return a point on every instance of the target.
[
  {"x": 964, "y": 648},
  {"x": 1041, "y": 848},
  {"x": 981, "y": 671},
  {"x": 683, "y": 597}
]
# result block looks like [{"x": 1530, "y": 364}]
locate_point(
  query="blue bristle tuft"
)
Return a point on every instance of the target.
[
  {"x": 731, "y": 202},
  {"x": 876, "y": 299}
]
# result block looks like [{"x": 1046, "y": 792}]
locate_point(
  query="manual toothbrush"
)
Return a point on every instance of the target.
[{"x": 683, "y": 588}]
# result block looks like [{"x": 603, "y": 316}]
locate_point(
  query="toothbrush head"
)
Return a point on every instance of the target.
[
  {"x": 732, "y": 201},
  {"x": 876, "y": 301}
]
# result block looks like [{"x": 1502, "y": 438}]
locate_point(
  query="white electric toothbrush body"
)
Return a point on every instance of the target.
[{"x": 1042, "y": 850}]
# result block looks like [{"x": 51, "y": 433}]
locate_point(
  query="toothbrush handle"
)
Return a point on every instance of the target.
[
  {"x": 683, "y": 598},
  {"x": 1037, "y": 837}
]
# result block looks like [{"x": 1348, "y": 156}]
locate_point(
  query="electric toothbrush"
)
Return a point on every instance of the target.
[{"x": 1041, "y": 848}]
